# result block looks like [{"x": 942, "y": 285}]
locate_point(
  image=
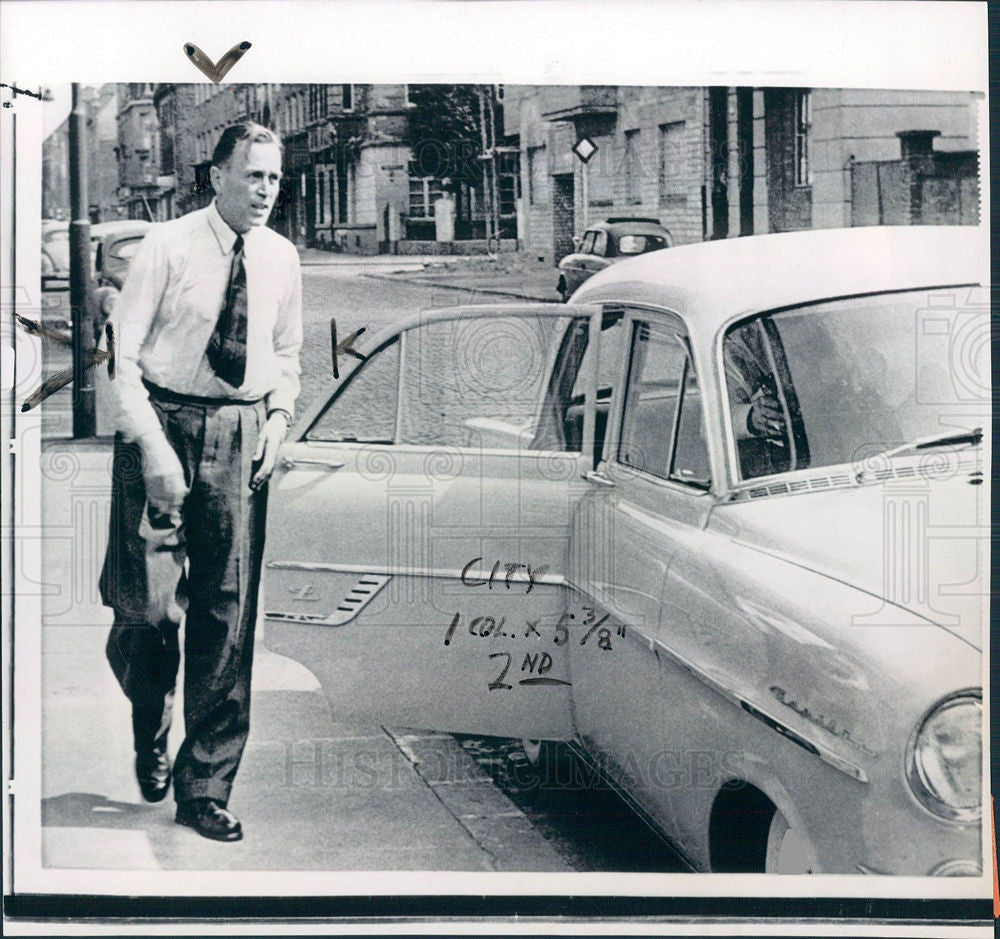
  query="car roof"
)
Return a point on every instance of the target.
[
  {"x": 125, "y": 226},
  {"x": 636, "y": 227},
  {"x": 712, "y": 282}
]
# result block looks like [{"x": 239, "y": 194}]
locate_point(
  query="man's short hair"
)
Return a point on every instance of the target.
[{"x": 235, "y": 133}]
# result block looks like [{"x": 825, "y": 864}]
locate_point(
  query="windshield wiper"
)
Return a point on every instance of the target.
[{"x": 972, "y": 437}]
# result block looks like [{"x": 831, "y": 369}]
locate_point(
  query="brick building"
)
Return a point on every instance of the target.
[
  {"x": 352, "y": 180},
  {"x": 138, "y": 153},
  {"x": 719, "y": 162},
  {"x": 101, "y": 108}
]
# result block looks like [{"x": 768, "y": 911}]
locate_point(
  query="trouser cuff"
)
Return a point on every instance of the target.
[{"x": 202, "y": 789}]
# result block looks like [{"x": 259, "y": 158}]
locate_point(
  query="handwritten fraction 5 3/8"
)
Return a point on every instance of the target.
[{"x": 537, "y": 664}]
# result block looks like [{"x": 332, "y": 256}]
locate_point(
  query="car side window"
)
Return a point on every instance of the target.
[
  {"x": 587, "y": 245},
  {"x": 600, "y": 244},
  {"x": 364, "y": 409},
  {"x": 690, "y": 463},
  {"x": 476, "y": 381},
  {"x": 561, "y": 424},
  {"x": 661, "y": 430}
]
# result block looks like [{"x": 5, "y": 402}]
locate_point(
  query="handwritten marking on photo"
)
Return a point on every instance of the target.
[
  {"x": 345, "y": 347},
  {"x": 216, "y": 71},
  {"x": 51, "y": 385}
]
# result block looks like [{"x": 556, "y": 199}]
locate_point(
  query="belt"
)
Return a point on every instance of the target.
[{"x": 175, "y": 397}]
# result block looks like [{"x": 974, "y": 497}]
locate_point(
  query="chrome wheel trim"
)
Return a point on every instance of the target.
[{"x": 788, "y": 851}]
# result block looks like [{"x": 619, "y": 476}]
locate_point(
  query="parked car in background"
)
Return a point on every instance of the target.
[
  {"x": 761, "y": 620},
  {"x": 607, "y": 242},
  {"x": 114, "y": 244}
]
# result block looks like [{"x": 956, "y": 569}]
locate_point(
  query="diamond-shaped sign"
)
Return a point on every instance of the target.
[{"x": 585, "y": 148}]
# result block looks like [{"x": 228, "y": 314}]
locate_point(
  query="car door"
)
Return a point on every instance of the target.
[
  {"x": 576, "y": 267},
  {"x": 649, "y": 497},
  {"x": 418, "y": 528},
  {"x": 596, "y": 259}
]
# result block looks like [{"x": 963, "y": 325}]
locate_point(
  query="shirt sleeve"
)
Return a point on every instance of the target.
[
  {"x": 132, "y": 319},
  {"x": 288, "y": 341}
]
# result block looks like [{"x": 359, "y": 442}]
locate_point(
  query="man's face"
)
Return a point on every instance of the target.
[{"x": 246, "y": 187}]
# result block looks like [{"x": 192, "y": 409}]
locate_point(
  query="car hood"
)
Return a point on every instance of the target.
[{"x": 921, "y": 544}]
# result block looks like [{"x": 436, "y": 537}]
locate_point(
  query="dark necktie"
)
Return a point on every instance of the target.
[{"x": 227, "y": 349}]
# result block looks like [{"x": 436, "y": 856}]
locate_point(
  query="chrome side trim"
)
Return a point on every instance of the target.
[
  {"x": 762, "y": 714},
  {"x": 519, "y": 576},
  {"x": 356, "y": 599}
]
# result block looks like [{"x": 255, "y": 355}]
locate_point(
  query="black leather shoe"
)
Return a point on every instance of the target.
[
  {"x": 210, "y": 819},
  {"x": 152, "y": 770}
]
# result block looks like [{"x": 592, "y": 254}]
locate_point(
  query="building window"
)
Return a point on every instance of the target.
[
  {"x": 424, "y": 191},
  {"x": 508, "y": 194},
  {"x": 671, "y": 168},
  {"x": 335, "y": 214},
  {"x": 536, "y": 174},
  {"x": 633, "y": 169},
  {"x": 320, "y": 201},
  {"x": 347, "y": 97},
  {"x": 803, "y": 121}
]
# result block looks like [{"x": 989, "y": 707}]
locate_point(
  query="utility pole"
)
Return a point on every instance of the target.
[
  {"x": 485, "y": 156},
  {"x": 81, "y": 288},
  {"x": 494, "y": 174}
]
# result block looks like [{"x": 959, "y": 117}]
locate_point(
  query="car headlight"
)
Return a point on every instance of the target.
[
  {"x": 108, "y": 302},
  {"x": 944, "y": 758}
]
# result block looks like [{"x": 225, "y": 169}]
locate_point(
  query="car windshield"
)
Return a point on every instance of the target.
[{"x": 838, "y": 382}]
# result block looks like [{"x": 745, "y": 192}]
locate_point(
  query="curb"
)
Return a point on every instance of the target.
[{"x": 496, "y": 825}]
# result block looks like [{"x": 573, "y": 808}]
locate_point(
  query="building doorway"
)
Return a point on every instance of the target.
[
  {"x": 563, "y": 216},
  {"x": 718, "y": 142}
]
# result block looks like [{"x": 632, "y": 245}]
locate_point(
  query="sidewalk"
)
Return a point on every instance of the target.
[{"x": 312, "y": 794}]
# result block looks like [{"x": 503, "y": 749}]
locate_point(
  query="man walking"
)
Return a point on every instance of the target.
[{"x": 209, "y": 327}]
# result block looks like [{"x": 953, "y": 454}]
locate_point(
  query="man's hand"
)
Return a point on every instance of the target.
[
  {"x": 162, "y": 474},
  {"x": 766, "y": 419},
  {"x": 272, "y": 435}
]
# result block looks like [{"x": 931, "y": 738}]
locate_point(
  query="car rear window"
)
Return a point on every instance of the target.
[{"x": 640, "y": 244}]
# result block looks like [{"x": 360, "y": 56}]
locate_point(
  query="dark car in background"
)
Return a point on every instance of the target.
[
  {"x": 112, "y": 245},
  {"x": 607, "y": 242}
]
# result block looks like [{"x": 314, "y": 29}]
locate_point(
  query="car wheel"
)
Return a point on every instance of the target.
[
  {"x": 562, "y": 288},
  {"x": 788, "y": 850}
]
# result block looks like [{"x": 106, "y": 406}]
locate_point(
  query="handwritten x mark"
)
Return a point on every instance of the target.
[
  {"x": 51, "y": 385},
  {"x": 345, "y": 347}
]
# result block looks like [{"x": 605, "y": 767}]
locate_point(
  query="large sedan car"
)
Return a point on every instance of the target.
[
  {"x": 607, "y": 242},
  {"x": 721, "y": 523}
]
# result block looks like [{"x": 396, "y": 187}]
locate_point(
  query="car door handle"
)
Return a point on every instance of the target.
[
  {"x": 288, "y": 462},
  {"x": 592, "y": 476}
]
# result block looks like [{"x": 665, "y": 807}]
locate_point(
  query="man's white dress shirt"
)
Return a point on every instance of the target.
[{"x": 168, "y": 309}]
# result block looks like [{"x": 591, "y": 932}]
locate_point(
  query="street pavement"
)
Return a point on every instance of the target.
[{"x": 312, "y": 793}]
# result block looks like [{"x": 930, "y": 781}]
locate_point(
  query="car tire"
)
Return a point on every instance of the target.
[{"x": 562, "y": 288}]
